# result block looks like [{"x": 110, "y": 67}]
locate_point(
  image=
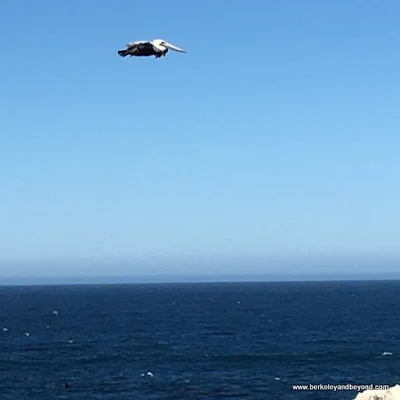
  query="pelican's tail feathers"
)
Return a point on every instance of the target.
[{"x": 123, "y": 53}]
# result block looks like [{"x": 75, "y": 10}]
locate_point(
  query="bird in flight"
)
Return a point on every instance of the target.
[{"x": 157, "y": 48}]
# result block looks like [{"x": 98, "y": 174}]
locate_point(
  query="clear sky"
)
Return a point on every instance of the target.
[{"x": 276, "y": 135}]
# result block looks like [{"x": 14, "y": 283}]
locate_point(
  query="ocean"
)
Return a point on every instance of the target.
[{"x": 198, "y": 341}]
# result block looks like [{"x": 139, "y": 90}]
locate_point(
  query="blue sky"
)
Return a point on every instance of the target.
[{"x": 275, "y": 136}]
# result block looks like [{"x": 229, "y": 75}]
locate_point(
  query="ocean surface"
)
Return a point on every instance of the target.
[{"x": 197, "y": 341}]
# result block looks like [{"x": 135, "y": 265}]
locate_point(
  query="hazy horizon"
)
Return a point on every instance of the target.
[
  {"x": 206, "y": 268},
  {"x": 171, "y": 279}
]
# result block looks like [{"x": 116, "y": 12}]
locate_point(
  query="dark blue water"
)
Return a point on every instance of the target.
[{"x": 200, "y": 341}]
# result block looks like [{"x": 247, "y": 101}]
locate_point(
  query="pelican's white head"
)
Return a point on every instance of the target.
[{"x": 163, "y": 43}]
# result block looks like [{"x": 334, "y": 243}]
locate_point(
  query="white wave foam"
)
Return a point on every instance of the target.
[
  {"x": 392, "y": 393},
  {"x": 387, "y": 353}
]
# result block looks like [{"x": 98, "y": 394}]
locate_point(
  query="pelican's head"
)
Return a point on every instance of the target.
[{"x": 163, "y": 43}]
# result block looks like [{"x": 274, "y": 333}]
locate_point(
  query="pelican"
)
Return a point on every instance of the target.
[{"x": 157, "y": 48}]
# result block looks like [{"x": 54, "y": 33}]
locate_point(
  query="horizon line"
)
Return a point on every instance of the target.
[{"x": 194, "y": 278}]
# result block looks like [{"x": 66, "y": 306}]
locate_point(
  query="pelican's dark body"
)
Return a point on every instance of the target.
[{"x": 145, "y": 49}]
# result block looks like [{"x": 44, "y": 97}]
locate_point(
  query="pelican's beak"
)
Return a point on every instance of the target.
[{"x": 172, "y": 47}]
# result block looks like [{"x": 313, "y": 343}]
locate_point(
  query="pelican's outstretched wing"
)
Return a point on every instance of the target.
[
  {"x": 132, "y": 44},
  {"x": 140, "y": 48}
]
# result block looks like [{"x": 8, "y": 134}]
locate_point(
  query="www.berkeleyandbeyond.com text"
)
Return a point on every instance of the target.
[{"x": 335, "y": 388}]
